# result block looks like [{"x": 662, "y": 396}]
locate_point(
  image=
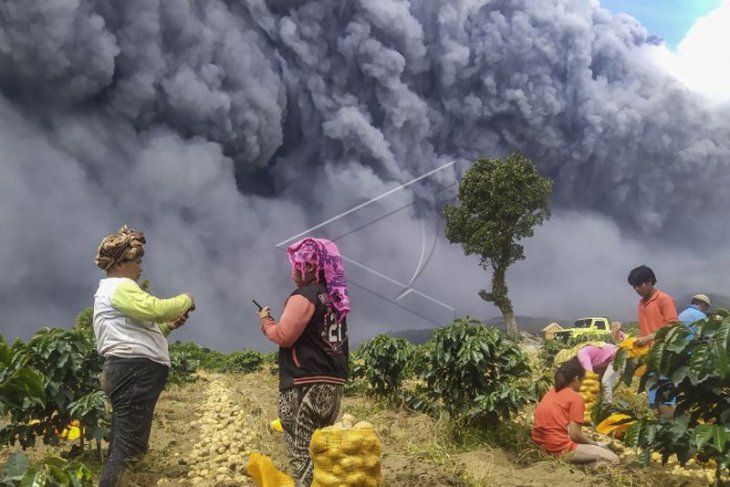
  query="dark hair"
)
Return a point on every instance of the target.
[
  {"x": 567, "y": 372},
  {"x": 640, "y": 275}
]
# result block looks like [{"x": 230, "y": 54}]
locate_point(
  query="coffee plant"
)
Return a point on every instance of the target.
[
  {"x": 51, "y": 472},
  {"x": 19, "y": 385},
  {"x": 70, "y": 367},
  {"x": 244, "y": 361},
  {"x": 549, "y": 349},
  {"x": 185, "y": 359},
  {"x": 239, "y": 362},
  {"x": 699, "y": 378},
  {"x": 383, "y": 364},
  {"x": 477, "y": 373},
  {"x": 191, "y": 350},
  {"x": 271, "y": 362},
  {"x": 419, "y": 360}
]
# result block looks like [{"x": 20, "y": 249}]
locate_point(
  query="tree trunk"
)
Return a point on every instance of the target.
[{"x": 499, "y": 296}]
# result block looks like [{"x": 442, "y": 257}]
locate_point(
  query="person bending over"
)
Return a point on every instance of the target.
[{"x": 599, "y": 359}]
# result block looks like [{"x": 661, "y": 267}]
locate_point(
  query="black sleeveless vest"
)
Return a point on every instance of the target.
[{"x": 322, "y": 351}]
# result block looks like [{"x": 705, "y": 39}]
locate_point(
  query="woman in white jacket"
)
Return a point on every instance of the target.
[{"x": 130, "y": 327}]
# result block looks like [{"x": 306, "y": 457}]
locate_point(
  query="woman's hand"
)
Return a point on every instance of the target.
[
  {"x": 180, "y": 321},
  {"x": 192, "y": 300},
  {"x": 575, "y": 432},
  {"x": 264, "y": 312}
]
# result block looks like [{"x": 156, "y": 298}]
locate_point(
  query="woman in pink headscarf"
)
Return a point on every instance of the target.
[{"x": 313, "y": 347}]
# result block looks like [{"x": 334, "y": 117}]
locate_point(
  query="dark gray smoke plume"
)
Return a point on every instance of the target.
[{"x": 221, "y": 128}]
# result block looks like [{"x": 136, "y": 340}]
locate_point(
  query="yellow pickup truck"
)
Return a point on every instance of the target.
[{"x": 595, "y": 325}]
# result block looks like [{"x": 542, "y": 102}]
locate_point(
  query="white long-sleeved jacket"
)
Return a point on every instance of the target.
[{"x": 129, "y": 322}]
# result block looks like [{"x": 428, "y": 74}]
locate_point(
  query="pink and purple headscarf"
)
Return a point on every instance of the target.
[{"x": 325, "y": 256}]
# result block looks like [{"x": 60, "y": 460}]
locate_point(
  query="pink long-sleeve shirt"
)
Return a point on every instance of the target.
[
  {"x": 591, "y": 357},
  {"x": 298, "y": 310}
]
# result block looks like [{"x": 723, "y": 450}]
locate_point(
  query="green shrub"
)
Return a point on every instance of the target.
[
  {"x": 191, "y": 350},
  {"x": 70, "y": 366},
  {"x": 356, "y": 383},
  {"x": 51, "y": 472},
  {"x": 474, "y": 372},
  {"x": 271, "y": 362},
  {"x": 20, "y": 386},
  {"x": 185, "y": 359},
  {"x": 549, "y": 350},
  {"x": 699, "y": 369},
  {"x": 419, "y": 360},
  {"x": 384, "y": 360},
  {"x": 214, "y": 361},
  {"x": 244, "y": 361},
  {"x": 183, "y": 367}
]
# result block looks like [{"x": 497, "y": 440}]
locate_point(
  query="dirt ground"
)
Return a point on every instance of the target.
[
  {"x": 494, "y": 467},
  {"x": 414, "y": 454}
]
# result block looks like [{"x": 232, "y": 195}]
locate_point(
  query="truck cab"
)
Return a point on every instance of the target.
[{"x": 595, "y": 325}]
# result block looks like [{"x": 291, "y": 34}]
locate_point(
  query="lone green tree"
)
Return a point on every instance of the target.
[{"x": 501, "y": 202}]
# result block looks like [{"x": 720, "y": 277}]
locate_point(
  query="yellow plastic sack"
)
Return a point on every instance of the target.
[
  {"x": 72, "y": 431},
  {"x": 634, "y": 350},
  {"x": 569, "y": 353},
  {"x": 589, "y": 389},
  {"x": 265, "y": 474},
  {"x": 275, "y": 425},
  {"x": 609, "y": 427},
  {"x": 346, "y": 457}
]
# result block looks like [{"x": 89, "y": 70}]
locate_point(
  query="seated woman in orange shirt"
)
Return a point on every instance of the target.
[{"x": 559, "y": 417}]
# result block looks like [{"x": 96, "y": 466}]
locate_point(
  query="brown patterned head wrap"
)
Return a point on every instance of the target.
[{"x": 126, "y": 244}]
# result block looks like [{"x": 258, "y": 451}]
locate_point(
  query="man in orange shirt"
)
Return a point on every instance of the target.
[{"x": 656, "y": 310}]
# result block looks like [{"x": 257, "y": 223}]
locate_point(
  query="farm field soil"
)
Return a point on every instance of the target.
[{"x": 414, "y": 454}]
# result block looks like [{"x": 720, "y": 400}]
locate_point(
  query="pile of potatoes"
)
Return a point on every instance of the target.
[
  {"x": 589, "y": 390},
  {"x": 691, "y": 469},
  {"x": 219, "y": 458},
  {"x": 346, "y": 454}
]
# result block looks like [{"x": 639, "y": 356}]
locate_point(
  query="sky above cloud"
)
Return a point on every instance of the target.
[
  {"x": 696, "y": 37},
  {"x": 667, "y": 19}
]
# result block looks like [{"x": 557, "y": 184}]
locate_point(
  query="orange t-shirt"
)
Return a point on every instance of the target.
[
  {"x": 552, "y": 416},
  {"x": 656, "y": 312}
]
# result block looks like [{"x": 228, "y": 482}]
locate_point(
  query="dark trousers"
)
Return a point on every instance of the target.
[{"x": 133, "y": 386}]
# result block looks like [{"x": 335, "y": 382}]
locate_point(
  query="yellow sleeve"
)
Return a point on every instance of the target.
[
  {"x": 131, "y": 300},
  {"x": 165, "y": 328}
]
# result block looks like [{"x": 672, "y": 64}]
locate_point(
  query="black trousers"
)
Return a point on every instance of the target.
[{"x": 133, "y": 386}]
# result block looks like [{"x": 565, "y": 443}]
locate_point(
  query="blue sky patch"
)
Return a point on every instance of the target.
[{"x": 668, "y": 19}]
